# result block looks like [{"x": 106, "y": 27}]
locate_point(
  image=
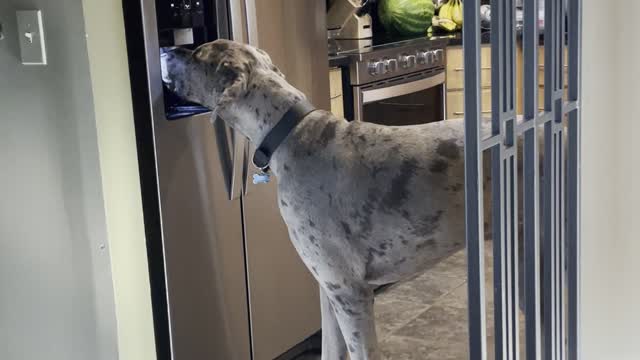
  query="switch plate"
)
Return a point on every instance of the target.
[{"x": 31, "y": 37}]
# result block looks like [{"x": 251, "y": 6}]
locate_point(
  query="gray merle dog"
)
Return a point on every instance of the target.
[{"x": 365, "y": 204}]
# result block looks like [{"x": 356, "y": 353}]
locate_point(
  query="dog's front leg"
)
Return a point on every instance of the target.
[
  {"x": 354, "y": 312},
  {"x": 333, "y": 344}
]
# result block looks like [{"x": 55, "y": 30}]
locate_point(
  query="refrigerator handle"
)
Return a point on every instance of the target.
[
  {"x": 239, "y": 145},
  {"x": 246, "y": 167},
  {"x": 231, "y": 150}
]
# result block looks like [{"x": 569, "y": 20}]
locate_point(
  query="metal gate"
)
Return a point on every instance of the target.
[{"x": 550, "y": 214}]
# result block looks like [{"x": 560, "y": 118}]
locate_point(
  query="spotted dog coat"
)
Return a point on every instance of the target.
[{"x": 365, "y": 204}]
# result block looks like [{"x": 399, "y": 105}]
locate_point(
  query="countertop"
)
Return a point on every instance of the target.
[
  {"x": 485, "y": 38},
  {"x": 454, "y": 40},
  {"x": 338, "y": 60}
]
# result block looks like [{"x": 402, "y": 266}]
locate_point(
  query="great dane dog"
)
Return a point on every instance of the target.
[{"x": 365, "y": 204}]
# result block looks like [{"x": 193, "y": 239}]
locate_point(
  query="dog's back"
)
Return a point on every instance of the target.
[{"x": 385, "y": 200}]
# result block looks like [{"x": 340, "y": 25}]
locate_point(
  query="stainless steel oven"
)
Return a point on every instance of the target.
[
  {"x": 407, "y": 100},
  {"x": 401, "y": 83}
]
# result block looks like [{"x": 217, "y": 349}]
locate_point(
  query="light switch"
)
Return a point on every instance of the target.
[{"x": 31, "y": 34}]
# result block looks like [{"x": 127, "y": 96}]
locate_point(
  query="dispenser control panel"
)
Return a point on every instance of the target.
[
  {"x": 184, "y": 23},
  {"x": 176, "y": 14}
]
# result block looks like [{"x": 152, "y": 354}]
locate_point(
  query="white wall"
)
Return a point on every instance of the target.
[
  {"x": 611, "y": 96},
  {"x": 56, "y": 297},
  {"x": 120, "y": 177},
  {"x": 72, "y": 242}
]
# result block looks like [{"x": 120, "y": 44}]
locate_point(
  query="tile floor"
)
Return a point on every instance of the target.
[{"x": 425, "y": 317}]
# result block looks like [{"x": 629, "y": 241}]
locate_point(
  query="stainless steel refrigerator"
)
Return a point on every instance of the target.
[{"x": 226, "y": 281}]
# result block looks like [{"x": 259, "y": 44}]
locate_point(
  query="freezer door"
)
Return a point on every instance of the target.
[
  {"x": 284, "y": 298},
  {"x": 202, "y": 230}
]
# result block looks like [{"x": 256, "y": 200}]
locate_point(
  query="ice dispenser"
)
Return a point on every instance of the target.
[{"x": 187, "y": 23}]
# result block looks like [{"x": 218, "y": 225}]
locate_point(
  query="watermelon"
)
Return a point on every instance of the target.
[{"x": 406, "y": 17}]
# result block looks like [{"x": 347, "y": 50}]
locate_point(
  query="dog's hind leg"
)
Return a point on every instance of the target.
[
  {"x": 333, "y": 344},
  {"x": 354, "y": 312}
]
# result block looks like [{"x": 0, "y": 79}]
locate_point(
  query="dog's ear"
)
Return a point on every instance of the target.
[
  {"x": 268, "y": 60},
  {"x": 234, "y": 78},
  {"x": 277, "y": 71}
]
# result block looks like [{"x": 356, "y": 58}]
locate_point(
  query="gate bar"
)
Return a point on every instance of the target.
[
  {"x": 498, "y": 105},
  {"x": 504, "y": 183},
  {"x": 531, "y": 183},
  {"x": 473, "y": 177},
  {"x": 553, "y": 263},
  {"x": 574, "y": 9}
]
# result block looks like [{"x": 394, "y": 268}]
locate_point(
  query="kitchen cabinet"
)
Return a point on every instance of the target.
[
  {"x": 455, "y": 103},
  {"x": 335, "y": 91},
  {"x": 520, "y": 78},
  {"x": 455, "y": 80},
  {"x": 455, "y": 68}
]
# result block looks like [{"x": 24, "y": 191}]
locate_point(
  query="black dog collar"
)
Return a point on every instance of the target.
[{"x": 278, "y": 133}]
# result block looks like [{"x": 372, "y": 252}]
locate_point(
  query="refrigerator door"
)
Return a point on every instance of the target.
[
  {"x": 203, "y": 245},
  {"x": 202, "y": 230},
  {"x": 284, "y": 298}
]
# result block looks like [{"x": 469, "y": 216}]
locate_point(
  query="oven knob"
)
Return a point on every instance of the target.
[
  {"x": 376, "y": 67},
  {"x": 423, "y": 57},
  {"x": 391, "y": 65},
  {"x": 432, "y": 58},
  {"x": 408, "y": 61},
  {"x": 437, "y": 55}
]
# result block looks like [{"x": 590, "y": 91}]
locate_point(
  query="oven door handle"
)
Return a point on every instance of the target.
[{"x": 373, "y": 95}]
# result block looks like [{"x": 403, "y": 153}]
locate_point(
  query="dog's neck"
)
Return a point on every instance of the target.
[{"x": 267, "y": 98}]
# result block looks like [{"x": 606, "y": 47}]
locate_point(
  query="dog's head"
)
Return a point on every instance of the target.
[{"x": 215, "y": 74}]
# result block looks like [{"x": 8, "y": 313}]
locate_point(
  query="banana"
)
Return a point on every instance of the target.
[
  {"x": 446, "y": 24},
  {"x": 445, "y": 19},
  {"x": 445, "y": 11},
  {"x": 456, "y": 13}
]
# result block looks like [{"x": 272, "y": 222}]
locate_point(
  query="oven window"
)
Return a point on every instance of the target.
[{"x": 421, "y": 107}]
